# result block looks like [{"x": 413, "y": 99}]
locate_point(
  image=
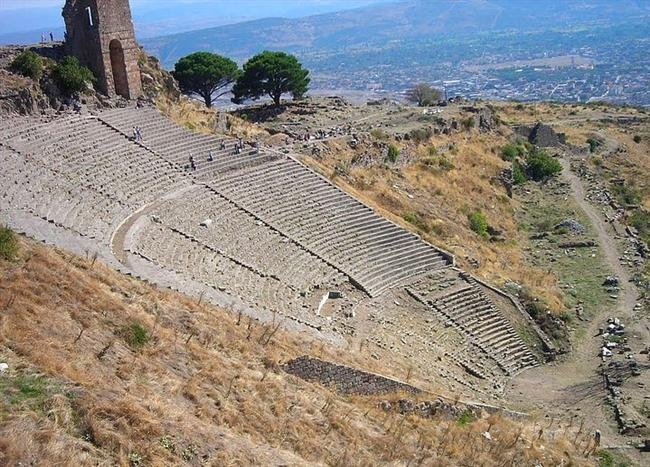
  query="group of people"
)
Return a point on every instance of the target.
[
  {"x": 137, "y": 133},
  {"x": 238, "y": 148},
  {"x": 44, "y": 38}
]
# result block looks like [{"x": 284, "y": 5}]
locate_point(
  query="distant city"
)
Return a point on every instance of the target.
[{"x": 610, "y": 65}]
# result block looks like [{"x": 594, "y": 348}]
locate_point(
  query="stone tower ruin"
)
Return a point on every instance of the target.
[{"x": 100, "y": 34}]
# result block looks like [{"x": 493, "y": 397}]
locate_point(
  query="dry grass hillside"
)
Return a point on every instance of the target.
[{"x": 104, "y": 369}]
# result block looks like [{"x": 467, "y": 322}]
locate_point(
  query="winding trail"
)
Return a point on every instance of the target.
[
  {"x": 573, "y": 385},
  {"x": 628, "y": 294}
]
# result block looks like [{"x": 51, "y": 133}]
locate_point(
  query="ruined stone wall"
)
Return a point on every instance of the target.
[
  {"x": 100, "y": 33},
  {"x": 541, "y": 135},
  {"x": 345, "y": 380}
]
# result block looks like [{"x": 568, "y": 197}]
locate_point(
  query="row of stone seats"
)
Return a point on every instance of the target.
[
  {"x": 471, "y": 310},
  {"x": 373, "y": 251},
  {"x": 177, "y": 144},
  {"x": 377, "y": 254},
  {"x": 91, "y": 176},
  {"x": 239, "y": 235},
  {"x": 176, "y": 252},
  {"x": 97, "y": 156},
  {"x": 405, "y": 330},
  {"x": 27, "y": 185}
]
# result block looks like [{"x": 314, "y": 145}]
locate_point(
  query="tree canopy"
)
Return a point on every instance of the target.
[
  {"x": 271, "y": 74},
  {"x": 71, "y": 76},
  {"x": 423, "y": 94},
  {"x": 205, "y": 74}
]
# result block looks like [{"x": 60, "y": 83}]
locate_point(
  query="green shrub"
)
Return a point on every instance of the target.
[
  {"x": 393, "y": 153},
  {"x": 605, "y": 459},
  {"x": 518, "y": 173},
  {"x": 28, "y": 64},
  {"x": 421, "y": 135},
  {"x": 25, "y": 389},
  {"x": 637, "y": 138},
  {"x": 135, "y": 335},
  {"x": 469, "y": 123},
  {"x": 436, "y": 163},
  {"x": 444, "y": 163},
  {"x": 8, "y": 244},
  {"x": 379, "y": 134},
  {"x": 540, "y": 166},
  {"x": 519, "y": 148},
  {"x": 432, "y": 150},
  {"x": 413, "y": 218},
  {"x": 509, "y": 152},
  {"x": 640, "y": 220},
  {"x": 478, "y": 223},
  {"x": 410, "y": 217},
  {"x": 342, "y": 168},
  {"x": 594, "y": 144},
  {"x": 71, "y": 77},
  {"x": 626, "y": 194},
  {"x": 466, "y": 418}
]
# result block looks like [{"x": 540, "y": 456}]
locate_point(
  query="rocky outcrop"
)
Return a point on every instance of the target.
[
  {"x": 541, "y": 135},
  {"x": 156, "y": 81},
  {"x": 20, "y": 95}
]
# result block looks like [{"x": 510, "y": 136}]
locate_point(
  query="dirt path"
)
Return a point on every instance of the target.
[
  {"x": 628, "y": 294},
  {"x": 573, "y": 387}
]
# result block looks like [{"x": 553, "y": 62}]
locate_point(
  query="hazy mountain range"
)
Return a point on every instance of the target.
[
  {"x": 379, "y": 25},
  {"x": 23, "y": 21}
]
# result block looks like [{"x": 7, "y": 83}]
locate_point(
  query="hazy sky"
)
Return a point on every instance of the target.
[
  {"x": 23, "y": 4},
  {"x": 153, "y": 17}
]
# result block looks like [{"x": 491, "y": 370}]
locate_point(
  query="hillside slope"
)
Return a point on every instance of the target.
[{"x": 104, "y": 369}]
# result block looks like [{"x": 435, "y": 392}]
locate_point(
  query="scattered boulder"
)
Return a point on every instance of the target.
[{"x": 572, "y": 225}]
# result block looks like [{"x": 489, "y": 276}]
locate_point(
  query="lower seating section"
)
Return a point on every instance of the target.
[
  {"x": 28, "y": 186},
  {"x": 374, "y": 252},
  {"x": 464, "y": 304},
  {"x": 79, "y": 173},
  {"x": 208, "y": 154},
  {"x": 186, "y": 255}
]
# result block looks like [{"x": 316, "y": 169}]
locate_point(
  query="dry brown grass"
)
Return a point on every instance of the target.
[
  {"x": 203, "y": 389},
  {"x": 195, "y": 116}
]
